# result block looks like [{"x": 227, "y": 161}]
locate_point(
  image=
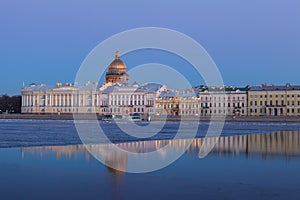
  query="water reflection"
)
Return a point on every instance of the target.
[{"x": 282, "y": 143}]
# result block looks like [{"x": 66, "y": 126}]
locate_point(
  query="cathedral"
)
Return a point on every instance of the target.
[
  {"x": 114, "y": 97},
  {"x": 116, "y": 70}
]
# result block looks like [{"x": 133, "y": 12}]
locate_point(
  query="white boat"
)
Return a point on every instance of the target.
[{"x": 135, "y": 118}]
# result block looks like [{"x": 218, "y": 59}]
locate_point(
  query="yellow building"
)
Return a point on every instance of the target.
[
  {"x": 274, "y": 100},
  {"x": 167, "y": 103}
]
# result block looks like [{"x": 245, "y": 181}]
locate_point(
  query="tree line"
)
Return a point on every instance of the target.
[{"x": 10, "y": 104}]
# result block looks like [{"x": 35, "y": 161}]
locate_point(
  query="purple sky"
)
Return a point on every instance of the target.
[{"x": 252, "y": 42}]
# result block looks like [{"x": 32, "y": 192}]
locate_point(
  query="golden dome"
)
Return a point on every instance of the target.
[
  {"x": 116, "y": 70},
  {"x": 117, "y": 66}
]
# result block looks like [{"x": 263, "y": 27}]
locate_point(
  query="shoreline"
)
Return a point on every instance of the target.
[{"x": 270, "y": 119}]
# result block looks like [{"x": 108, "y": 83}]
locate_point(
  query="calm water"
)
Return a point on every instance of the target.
[{"x": 245, "y": 166}]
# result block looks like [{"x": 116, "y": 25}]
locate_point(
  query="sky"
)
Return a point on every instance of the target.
[{"x": 251, "y": 42}]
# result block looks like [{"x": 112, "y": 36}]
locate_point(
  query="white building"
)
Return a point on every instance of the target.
[{"x": 122, "y": 99}]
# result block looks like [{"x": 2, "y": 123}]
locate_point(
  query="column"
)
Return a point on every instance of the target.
[
  {"x": 93, "y": 100},
  {"x": 50, "y": 100},
  {"x": 68, "y": 100},
  {"x": 97, "y": 104},
  {"x": 56, "y": 103},
  {"x": 46, "y": 100},
  {"x": 60, "y": 100},
  {"x": 37, "y": 100},
  {"x": 82, "y": 100},
  {"x": 26, "y": 100},
  {"x": 33, "y": 100},
  {"x": 22, "y": 100},
  {"x": 133, "y": 99},
  {"x": 72, "y": 100}
]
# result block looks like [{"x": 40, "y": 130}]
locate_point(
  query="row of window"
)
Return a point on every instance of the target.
[
  {"x": 202, "y": 112},
  {"x": 272, "y": 96},
  {"x": 118, "y": 110},
  {"x": 278, "y": 112},
  {"x": 126, "y": 103},
  {"x": 202, "y": 105},
  {"x": 128, "y": 97},
  {"x": 277, "y": 103}
]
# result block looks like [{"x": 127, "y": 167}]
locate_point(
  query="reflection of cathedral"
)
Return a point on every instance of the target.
[
  {"x": 283, "y": 143},
  {"x": 116, "y": 70}
]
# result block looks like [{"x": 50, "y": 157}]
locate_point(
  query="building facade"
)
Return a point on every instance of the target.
[
  {"x": 274, "y": 100},
  {"x": 122, "y": 100},
  {"x": 115, "y": 97},
  {"x": 203, "y": 101},
  {"x": 228, "y": 100},
  {"x": 59, "y": 99}
]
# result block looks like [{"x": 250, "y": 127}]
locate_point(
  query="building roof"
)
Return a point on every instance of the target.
[
  {"x": 227, "y": 89},
  {"x": 187, "y": 93},
  {"x": 263, "y": 87},
  {"x": 150, "y": 87},
  {"x": 44, "y": 87},
  {"x": 167, "y": 94},
  {"x": 39, "y": 87}
]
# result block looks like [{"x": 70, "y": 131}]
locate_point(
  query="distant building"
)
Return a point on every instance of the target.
[
  {"x": 274, "y": 100},
  {"x": 203, "y": 101},
  {"x": 117, "y": 97},
  {"x": 122, "y": 100},
  {"x": 167, "y": 103},
  {"x": 228, "y": 100},
  {"x": 58, "y": 99}
]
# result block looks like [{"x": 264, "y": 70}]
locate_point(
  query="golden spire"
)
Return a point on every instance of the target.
[{"x": 117, "y": 54}]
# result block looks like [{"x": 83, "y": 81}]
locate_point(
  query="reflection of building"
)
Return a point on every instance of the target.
[
  {"x": 282, "y": 143},
  {"x": 274, "y": 100},
  {"x": 285, "y": 143}
]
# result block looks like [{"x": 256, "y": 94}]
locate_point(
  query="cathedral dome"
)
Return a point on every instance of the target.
[
  {"x": 117, "y": 66},
  {"x": 116, "y": 71}
]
